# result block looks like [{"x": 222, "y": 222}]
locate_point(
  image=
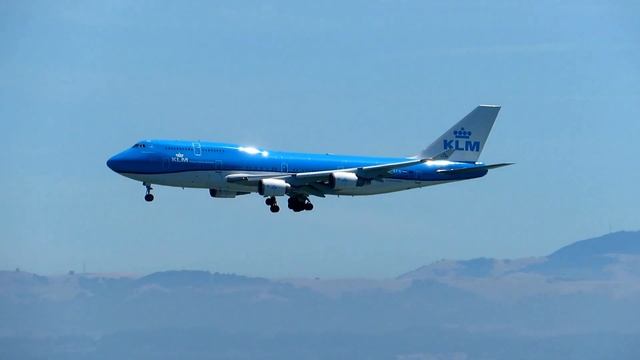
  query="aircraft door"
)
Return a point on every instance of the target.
[{"x": 197, "y": 149}]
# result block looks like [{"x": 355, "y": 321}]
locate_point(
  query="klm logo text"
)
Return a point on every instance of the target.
[
  {"x": 461, "y": 142},
  {"x": 179, "y": 158}
]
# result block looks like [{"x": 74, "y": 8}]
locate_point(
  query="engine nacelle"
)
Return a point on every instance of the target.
[
  {"x": 343, "y": 180},
  {"x": 273, "y": 187},
  {"x": 222, "y": 193}
]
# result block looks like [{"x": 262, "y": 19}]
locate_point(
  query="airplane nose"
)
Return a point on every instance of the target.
[
  {"x": 110, "y": 163},
  {"x": 116, "y": 163}
]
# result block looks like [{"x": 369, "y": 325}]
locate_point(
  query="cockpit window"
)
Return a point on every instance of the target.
[{"x": 140, "y": 145}]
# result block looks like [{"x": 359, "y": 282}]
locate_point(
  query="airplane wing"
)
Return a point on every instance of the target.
[
  {"x": 314, "y": 182},
  {"x": 251, "y": 179},
  {"x": 367, "y": 172},
  {"x": 312, "y": 177},
  {"x": 373, "y": 171}
]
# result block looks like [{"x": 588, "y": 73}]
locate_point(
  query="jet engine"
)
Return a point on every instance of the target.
[
  {"x": 273, "y": 187},
  {"x": 343, "y": 180}
]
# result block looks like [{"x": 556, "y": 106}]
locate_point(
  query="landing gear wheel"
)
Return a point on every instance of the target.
[
  {"x": 272, "y": 203},
  {"x": 299, "y": 203},
  {"x": 291, "y": 203},
  {"x": 148, "y": 197}
]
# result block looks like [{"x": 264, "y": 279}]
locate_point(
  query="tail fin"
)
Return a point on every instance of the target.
[{"x": 467, "y": 137}]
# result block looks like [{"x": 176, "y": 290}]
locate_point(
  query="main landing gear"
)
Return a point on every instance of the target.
[
  {"x": 273, "y": 204},
  {"x": 299, "y": 203},
  {"x": 296, "y": 203},
  {"x": 149, "y": 196}
]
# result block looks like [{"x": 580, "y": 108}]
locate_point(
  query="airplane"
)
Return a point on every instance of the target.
[{"x": 230, "y": 170}]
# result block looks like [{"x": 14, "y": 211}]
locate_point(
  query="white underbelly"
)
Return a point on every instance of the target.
[
  {"x": 216, "y": 180},
  {"x": 386, "y": 186},
  {"x": 194, "y": 179}
]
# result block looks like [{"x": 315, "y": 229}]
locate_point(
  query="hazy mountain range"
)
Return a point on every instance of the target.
[{"x": 580, "y": 302}]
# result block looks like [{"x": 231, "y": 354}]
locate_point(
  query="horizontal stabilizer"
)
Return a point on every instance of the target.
[{"x": 472, "y": 169}]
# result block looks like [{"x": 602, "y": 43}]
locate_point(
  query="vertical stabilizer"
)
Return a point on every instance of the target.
[{"x": 467, "y": 137}]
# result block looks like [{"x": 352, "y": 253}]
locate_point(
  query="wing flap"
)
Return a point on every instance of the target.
[{"x": 250, "y": 179}]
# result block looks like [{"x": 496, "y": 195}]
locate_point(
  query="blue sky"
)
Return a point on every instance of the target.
[{"x": 80, "y": 81}]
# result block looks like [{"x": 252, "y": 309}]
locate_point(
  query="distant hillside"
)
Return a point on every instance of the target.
[
  {"x": 581, "y": 302},
  {"x": 171, "y": 279},
  {"x": 623, "y": 242},
  {"x": 596, "y": 258}
]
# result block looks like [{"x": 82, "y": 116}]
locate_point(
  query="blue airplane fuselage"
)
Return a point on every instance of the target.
[
  {"x": 206, "y": 164},
  {"x": 228, "y": 170}
]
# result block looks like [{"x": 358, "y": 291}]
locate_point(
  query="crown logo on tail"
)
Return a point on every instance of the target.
[{"x": 462, "y": 133}]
